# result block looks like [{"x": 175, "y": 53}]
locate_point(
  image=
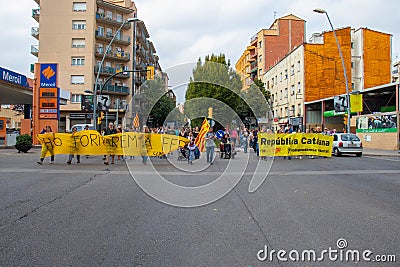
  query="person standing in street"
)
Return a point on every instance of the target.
[
  {"x": 110, "y": 130},
  {"x": 210, "y": 145},
  {"x": 71, "y": 155},
  {"x": 47, "y": 146}
]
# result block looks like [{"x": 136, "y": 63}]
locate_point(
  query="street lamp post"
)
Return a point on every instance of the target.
[
  {"x": 322, "y": 11},
  {"x": 129, "y": 20}
]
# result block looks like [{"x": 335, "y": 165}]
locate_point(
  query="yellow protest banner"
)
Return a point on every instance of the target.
[
  {"x": 130, "y": 143},
  {"x": 295, "y": 144}
]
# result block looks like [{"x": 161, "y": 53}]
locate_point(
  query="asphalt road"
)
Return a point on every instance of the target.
[{"x": 91, "y": 215}]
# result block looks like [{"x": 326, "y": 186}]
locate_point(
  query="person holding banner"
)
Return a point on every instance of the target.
[
  {"x": 74, "y": 148},
  {"x": 47, "y": 145},
  {"x": 110, "y": 130}
]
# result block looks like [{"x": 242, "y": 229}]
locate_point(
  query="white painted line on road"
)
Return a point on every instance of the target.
[
  {"x": 207, "y": 173},
  {"x": 398, "y": 160}
]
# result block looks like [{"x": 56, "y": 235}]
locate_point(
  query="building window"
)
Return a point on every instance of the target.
[
  {"x": 298, "y": 88},
  {"x": 109, "y": 32},
  {"x": 299, "y": 109},
  {"x": 286, "y": 92},
  {"x": 276, "y": 79},
  {"x": 76, "y": 98},
  {"x": 298, "y": 66},
  {"x": 352, "y": 65},
  {"x": 292, "y": 70},
  {"x": 286, "y": 111},
  {"x": 352, "y": 45},
  {"x": 78, "y": 42},
  {"x": 281, "y": 95},
  {"x": 78, "y": 61},
  {"x": 77, "y": 79},
  {"x": 276, "y": 97},
  {"x": 100, "y": 48},
  {"x": 280, "y": 77},
  {"x": 109, "y": 15},
  {"x": 260, "y": 44},
  {"x": 100, "y": 12},
  {"x": 79, "y": 6},
  {"x": 260, "y": 58},
  {"x": 286, "y": 74},
  {"x": 260, "y": 72},
  {"x": 119, "y": 18},
  {"x": 118, "y": 35},
  {"x": 292, "y": 90},
  {"x": 79, "y": 25},
  {"x": 100, "y": 31},
  {"x": 272, "y": 82}
]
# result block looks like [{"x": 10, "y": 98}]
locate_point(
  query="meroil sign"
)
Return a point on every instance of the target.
[{"x": 13, "y": 77}]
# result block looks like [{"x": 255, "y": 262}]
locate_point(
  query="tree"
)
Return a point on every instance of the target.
[
  {"x": 161, "y": 110},
  {"x": 154, "y": 102},
  {"x": 221, "y": 87}
]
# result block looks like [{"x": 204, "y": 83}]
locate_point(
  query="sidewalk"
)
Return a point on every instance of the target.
[{"x": 381, "y": 152}]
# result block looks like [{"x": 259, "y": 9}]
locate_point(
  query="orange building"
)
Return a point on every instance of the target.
[{"x": 367, "y": 57}]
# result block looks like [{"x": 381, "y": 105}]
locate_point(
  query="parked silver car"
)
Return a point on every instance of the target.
[{"x": 345, "y": 143}]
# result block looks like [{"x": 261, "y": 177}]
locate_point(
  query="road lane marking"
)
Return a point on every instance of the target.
[
  {"x": 382, "y": 158},
  {"x": 208, "y": 173}
]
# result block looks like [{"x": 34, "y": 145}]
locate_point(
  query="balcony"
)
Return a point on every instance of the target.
[
  {"x": 140, "y": 51},
  {"x": 35, "y": 32},
  {"x": 115, "y": 89},
  {"x": 113, "y": 21},
  {"x": 119, "y": 39},
  {"x": 36, "y": 14},
  {"x": 35, "y": 50},
  {"x": 108, "y": 71},
  {"x": 141, "y": 66},
  {"x": 116, "y": 55}
]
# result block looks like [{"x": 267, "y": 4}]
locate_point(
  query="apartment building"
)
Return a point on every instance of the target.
[
  {"x": 268, "y": 46},
  {"x": 75, "y": 34},
  {"x": 285, "y": 81},
  {"x": 303, "y": 84}
]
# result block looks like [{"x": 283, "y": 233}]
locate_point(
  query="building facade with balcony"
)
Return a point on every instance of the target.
[
  {"x": 268, "y": 46},
  {"x": 304, "y": 83},
  {"x": 285, "y": 81},
  {"x": 75, "y": 34}
]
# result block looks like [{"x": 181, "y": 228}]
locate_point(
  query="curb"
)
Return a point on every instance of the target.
[{"x": 381, "y": 155}]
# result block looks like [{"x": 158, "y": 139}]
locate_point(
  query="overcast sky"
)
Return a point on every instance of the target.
[{"x": 182, "y": 30}]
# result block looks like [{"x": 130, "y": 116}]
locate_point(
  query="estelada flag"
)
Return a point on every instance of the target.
[
  {"x": 136, "y": 121},
  {"x": 199, "y": 141}
]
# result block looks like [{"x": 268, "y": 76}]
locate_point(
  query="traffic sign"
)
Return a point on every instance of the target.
[{"x": 219, "y": 134}]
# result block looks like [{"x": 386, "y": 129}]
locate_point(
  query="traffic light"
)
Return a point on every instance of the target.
[
  {"x": 210, "y": 112},
  {"x": 150, "y": 73},
  {"x": 100, "y": 118},
  {"x": 345, "y": 120}
]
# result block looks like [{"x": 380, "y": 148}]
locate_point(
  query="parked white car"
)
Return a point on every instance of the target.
[{"x": 344, "y": 143}]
